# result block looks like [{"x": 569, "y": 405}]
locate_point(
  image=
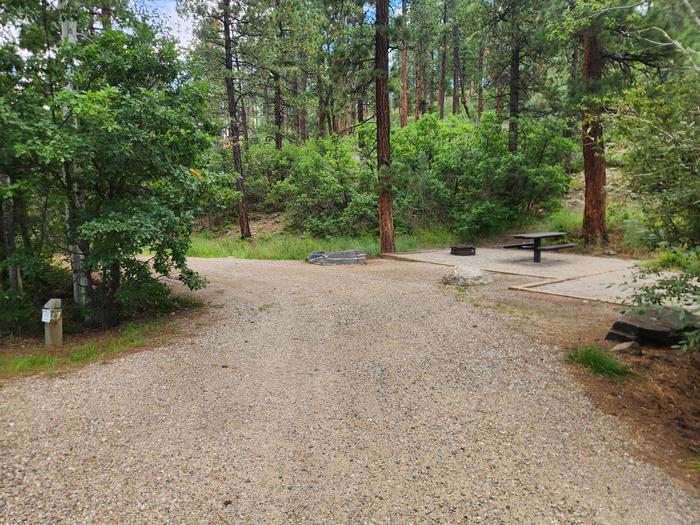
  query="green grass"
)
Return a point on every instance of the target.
[
  {"x": 564, "y": 220},
  {"x": 695, "y": 463},
  {"x": 99, "y": 348},
  {"x": 286, "y": 246},
  {"x": 600, "y": 362}
]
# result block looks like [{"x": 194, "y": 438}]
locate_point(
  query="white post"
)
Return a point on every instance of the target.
[{"x": 53, "y": 323}]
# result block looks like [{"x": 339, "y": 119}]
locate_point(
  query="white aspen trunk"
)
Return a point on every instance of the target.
[{"x": 82, "y": 284}]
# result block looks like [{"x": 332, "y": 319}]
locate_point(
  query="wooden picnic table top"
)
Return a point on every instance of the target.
[{"x": 539, "y": 235}]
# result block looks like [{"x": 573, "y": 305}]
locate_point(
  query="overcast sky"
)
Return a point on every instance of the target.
[{"x": 180, "y": 27}]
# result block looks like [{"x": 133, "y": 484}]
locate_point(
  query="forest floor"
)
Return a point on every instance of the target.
[{"x": 338, "y": 394}]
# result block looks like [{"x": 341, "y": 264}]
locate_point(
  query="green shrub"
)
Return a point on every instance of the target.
[
  {"x": 18, "y": 315},
  {"x": 599, "y": 362},
  {"x": 464, "y": 174},
  {"x": 325, "y": 190},
  {"x": 566, "y": 220}
]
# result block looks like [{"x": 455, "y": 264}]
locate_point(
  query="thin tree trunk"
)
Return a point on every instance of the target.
[
  {"x": 403, "y": 114},
  {"x": 514, "y": 95},
  {"x": 234, "y": 130},
  {"x": 465, "y": 103},
  {"x": 244, "y": 120},
  {"x": 279, "y": 117},
  {"x": 420, "y": 88},
  {"x": 456, "y": 71},
  {"x": 381, "y": 66},
  {"x": 322, "y": 113},
  {"x": 78, "y": 248},
  {"x": 592, "y": 140},
  {"x": 266, "y": 107},
  {"x": 480, "y": 87},
  {"x": 8, "y": 228},
  {"x": 303, "y": 135},
  {"x": 295, "y": 104},
  {"x": 499, "y": 95},
  {"x": 443, "y": 62},
  {"x": 360, "y": 118}
]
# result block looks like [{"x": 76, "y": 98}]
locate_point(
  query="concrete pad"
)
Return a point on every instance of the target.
[{"x": 566, "y": 274}]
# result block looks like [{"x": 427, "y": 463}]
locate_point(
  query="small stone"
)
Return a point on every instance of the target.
[
  {"x": 630, "y": 347},
  {"x": 610, "y": 252},
  {"x": 462, "y": 277}
]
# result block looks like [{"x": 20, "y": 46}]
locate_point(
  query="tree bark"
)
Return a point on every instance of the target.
[
  {"x": 592, "y": 140},
  {"x": 322, "y": 117},
  {"x": 381, "y": 66},
  {"x": 234, "y": 130},
  {"x": 480, "y": 87},
  {"x": 403, "y": 113},
  {"x": 514, "y": 95},
  {"x": 456, "y": 71},
  {"x": 279, "y": 117},
  {"x": 465, "y": 103},
  {"x": 443, "y": 62},
  {"x": 77, "y": 248},
  {"x": 499, "y": 95},
  {"x": 303, "y": 135},
  {"x": 9, "y": 233},
  {"x": 420, "y": 88}
]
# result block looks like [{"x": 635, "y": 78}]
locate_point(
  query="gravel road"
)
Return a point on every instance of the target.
[{"x": 326, "y": 395}]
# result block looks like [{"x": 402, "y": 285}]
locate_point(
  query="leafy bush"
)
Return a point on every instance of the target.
[
  {"x": 663, "y": 156},
  {"x": 325, "y": 189},
  {"x": 464, "y": 174},
  {"x": 680, "y": 289},
  {"x": 18, "y": 315}
]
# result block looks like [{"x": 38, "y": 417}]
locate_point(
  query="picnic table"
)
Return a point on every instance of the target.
[{"x": 535, "y": 243}]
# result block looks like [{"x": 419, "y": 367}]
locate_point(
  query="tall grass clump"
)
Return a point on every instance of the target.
[{"x": 600, "y": 362}]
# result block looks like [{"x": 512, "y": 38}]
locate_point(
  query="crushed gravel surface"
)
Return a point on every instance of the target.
[{"x": 327, "y": 395}]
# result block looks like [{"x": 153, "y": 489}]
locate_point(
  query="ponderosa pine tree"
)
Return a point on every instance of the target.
[{"x": 381, "y": 95}]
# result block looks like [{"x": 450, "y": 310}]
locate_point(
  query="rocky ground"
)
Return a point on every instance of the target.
[{"x": 327, "y": 394}]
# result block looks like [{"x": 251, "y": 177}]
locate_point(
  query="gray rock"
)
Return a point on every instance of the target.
[
  {"x": 462, "y": 277},
  {"x": 659, "y": 325},
  {"x": 335, "y": 258},
  {"x": 630, "y": 347}
]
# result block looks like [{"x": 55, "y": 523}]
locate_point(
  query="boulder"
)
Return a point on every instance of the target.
[
  {"x": 462, "y": 277},
  {"x": 335, "y": 258},
  {"x": 658, "y": 325}
]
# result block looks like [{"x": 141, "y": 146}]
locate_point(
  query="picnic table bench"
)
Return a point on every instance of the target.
[{"x": 535, "y": 243}]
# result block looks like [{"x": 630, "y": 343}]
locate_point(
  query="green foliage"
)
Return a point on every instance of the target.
[
  {"x": 659, "y": 126},
  {"x": 565, "y": 220},
  {"x": 321, "y": 185},
  {"x": 679, "y": 289},
  {"x": 464, "y": 174},
  {"x": 18, "y": 315},
  {"x": 600, "y": 362}
]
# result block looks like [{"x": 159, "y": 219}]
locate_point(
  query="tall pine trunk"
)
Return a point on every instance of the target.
[
  {"x": 480, "y": 86},
  {"x": 234, "y": 129},
  {"x": 443, "y": 62},
  {"x": 403, "y": 113},
  {"x": 381, "y": 66},
  {"x": 303, "y": 135},
  {"x": 420, "y": 88},
  {"x": 592, "y": 139},
  {"x": 279, "y": 117},
  {"x": 456, "y": 70},
  {"x": 514, "y": 95}
]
